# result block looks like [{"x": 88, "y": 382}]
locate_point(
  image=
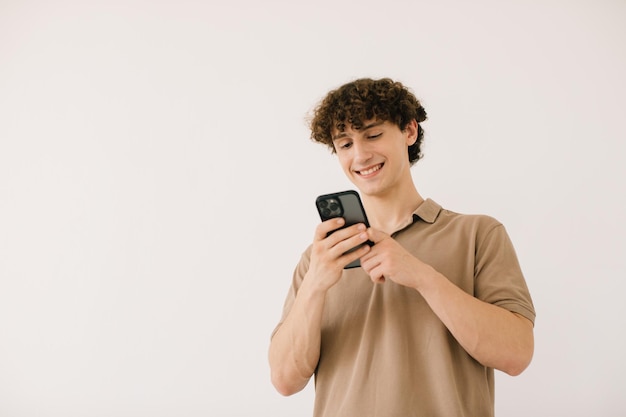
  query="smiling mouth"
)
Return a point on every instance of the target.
[{"x": 370, "y": 171}]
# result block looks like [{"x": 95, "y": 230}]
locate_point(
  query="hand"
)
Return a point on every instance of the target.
[
  {"x": 328, "y": 254},
  {"x": 387, "y": 259}
]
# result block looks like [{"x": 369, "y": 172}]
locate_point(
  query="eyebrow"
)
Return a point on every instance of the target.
[{"x": 369, "y": 126}]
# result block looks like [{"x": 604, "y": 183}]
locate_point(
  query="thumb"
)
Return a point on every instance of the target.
[{"x": 376, "y": 235}]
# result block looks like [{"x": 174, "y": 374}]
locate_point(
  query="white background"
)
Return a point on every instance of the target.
[{"x": 157, "y": 184}]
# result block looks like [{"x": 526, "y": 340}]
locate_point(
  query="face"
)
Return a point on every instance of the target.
[{"x": 375, "y": 157}]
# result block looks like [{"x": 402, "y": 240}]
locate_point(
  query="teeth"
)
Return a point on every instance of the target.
[{"x": 371, "y": 170}]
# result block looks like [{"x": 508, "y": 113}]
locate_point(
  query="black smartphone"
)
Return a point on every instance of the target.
[{"x": 346, "y": 204}]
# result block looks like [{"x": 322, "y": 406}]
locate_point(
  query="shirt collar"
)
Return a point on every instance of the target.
[{"x": 428, "y": 211}]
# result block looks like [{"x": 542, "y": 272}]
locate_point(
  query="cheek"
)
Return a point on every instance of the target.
[{"x": 344, "y": 161}]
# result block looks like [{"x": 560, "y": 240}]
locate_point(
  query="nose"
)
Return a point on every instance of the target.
[{"x": 362, "y": 151}]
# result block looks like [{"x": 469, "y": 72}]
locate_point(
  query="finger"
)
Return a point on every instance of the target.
[
  {"x": 338, "y": 235},
  {"x": 376, "y": 235},
  {"x": 377, "y": 276},
  {"x": 349, "y": 257},
  {"x": 322, "y": 230},
  {"x": 372, "y": 267},
  {"x": 351, "y": 241}
]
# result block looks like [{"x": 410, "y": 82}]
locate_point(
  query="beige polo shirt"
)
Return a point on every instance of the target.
[{"x": 384, "y": 353}]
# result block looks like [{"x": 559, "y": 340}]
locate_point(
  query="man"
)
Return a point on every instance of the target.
[{"x": 439, "y": 302}]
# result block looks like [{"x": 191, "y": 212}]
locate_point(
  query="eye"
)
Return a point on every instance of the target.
[
  {"x": 345, "y": 145},
  {"x": 374, "y": 136}
]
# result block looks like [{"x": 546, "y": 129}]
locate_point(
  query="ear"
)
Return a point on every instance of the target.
[{"x": 411, "y": 132}]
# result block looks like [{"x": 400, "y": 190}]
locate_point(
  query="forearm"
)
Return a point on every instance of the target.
[
  {"x": 494, "y": 336},
  {"x": 295, "y": 348}
]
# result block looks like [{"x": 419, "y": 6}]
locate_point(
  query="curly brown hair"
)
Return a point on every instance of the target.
[{"x": 367, "y": 99}]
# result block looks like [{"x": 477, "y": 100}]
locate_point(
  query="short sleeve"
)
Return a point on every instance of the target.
[
  {"x": 298, "y": 276},
  {"x": 498, "y": 277}
]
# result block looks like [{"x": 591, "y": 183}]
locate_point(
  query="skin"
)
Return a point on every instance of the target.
[{"x": 374, "y": 158}]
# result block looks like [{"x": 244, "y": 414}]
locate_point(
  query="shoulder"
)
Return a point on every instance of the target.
[
  {"x": 432, "y": 212},
  {"x": 480, "y": 224}
]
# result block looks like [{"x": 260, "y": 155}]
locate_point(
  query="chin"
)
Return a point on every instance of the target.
[{"x": 369, "y": 190}]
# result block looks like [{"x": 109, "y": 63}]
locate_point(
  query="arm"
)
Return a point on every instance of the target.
[
  {"x": 295, "y": 348},
  {"x": 492, "y": 335}
]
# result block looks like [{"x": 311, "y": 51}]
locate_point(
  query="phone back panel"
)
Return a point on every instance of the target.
[{"x": 350, "y": 208}]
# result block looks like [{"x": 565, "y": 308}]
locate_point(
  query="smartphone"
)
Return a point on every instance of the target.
[{"x": 346, "y": 204}]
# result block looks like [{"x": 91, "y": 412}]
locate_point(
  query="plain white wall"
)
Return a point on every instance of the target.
[{"x": 157, "y": 186}]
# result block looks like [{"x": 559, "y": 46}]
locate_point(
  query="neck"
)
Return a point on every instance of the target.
[{"x": 392, "y": 211}]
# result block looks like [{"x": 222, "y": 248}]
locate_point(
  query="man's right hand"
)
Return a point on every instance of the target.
[
  {"x": 328, "y": 254},
  {"x": 295, "y": 347}
]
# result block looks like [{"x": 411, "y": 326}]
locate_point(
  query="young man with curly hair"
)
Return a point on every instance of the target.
[{"x": 439, "y": 301}]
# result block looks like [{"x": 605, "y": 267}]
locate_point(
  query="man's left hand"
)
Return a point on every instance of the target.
[{"x": 387, "y": 259}]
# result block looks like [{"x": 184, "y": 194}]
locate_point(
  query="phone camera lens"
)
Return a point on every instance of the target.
[{"x": 329, "y": 207}]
